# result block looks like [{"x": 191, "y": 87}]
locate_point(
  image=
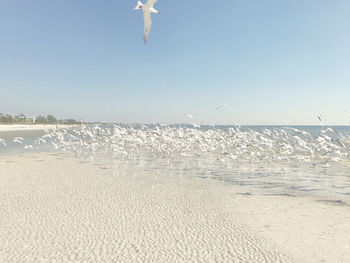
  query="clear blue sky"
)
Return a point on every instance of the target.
[{"x": 272, "y": 61}]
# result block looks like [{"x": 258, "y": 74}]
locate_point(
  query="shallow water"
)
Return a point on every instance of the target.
[
  {"x": 284, "y": 178},
  {"x": 274, "y": 160},
  {"x": 30, "y": 137}
]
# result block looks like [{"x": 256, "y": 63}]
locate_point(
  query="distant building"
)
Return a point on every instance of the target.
[
  {"x": 30, "y": 119},
  {"x": 26, "y": 119}
]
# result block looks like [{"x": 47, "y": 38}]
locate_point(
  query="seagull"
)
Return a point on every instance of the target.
[
  {"x": 147, "y": 9},
  {"x": 221, "y": 106},
  {"x": 189, "y": 116},
  {"x": 18, "y": 139},
  {"x": 28, "y": 147},
  {"x": 2, "y": 141}
]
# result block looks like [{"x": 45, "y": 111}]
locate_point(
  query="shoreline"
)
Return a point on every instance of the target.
[
  {"x": 65, "y": 209},
  {"x": 32, "y": 127}
]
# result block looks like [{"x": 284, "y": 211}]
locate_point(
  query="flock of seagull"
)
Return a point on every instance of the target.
[
  {"x": 18, "y": 140},
  {"x": 225, "y": 145}
]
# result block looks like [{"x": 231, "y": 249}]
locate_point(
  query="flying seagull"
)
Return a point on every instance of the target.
[
  {"x": 189, "y": 116},
  {"x": 221, "y": 106},
  {"x": 147, "y": 9}
]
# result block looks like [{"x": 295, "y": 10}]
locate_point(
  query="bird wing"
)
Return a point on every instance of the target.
[
  {"x": 148, "y": 23},
  {"x": 189, "y": 116},
  {"x": 150, "y": 3}
]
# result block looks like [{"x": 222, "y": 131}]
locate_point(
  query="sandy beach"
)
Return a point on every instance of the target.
[
  {"x": 60, "y": 209},
  {"x": 28, "y": 127}
]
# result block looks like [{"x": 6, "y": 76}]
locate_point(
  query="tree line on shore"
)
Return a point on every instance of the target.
[{"x": 22, "y": 119}]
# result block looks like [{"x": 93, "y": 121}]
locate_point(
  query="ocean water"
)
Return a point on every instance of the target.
[
  {"x": 30, "y": 138},
  {"x": 269, "y": 160}
]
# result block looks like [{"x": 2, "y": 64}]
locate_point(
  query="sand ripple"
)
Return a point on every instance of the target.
[{"x": 66, "y": 211}]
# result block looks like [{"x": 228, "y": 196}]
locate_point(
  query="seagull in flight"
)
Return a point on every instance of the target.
[
  {"x": 189, "y": 116},
  {"x": 221, "y": 106},
  {"x": 147, "y": 9}
]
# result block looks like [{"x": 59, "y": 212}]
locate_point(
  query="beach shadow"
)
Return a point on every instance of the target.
[
  {"x": 334, "y": 202},
  {"x": 280, "y": 194},
  {"x": 244, "y": 194}
]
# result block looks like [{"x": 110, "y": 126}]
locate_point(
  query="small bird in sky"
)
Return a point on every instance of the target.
[
  {"x": 221, "y": 106},
  {"x": 189, "y": 116},
  {"x": 147, "y": 9}
]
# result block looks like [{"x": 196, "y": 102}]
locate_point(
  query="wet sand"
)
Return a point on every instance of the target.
[
  {"x": 60, "y": 209},
  {"x": 308, "y": 229}
]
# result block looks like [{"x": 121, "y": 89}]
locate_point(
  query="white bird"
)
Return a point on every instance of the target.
[
  {"x": 221, "y": 106},
  {"x": 18, "y": 139},
  {"x": 28, "y": 147},
  {"x": 2, "y": 141},
  {"x": 147, "y": 9},
  {"x": 189, "y": 116}
]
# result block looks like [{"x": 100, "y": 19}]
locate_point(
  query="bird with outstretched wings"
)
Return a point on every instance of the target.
[{"x": 147, "y": 9}]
